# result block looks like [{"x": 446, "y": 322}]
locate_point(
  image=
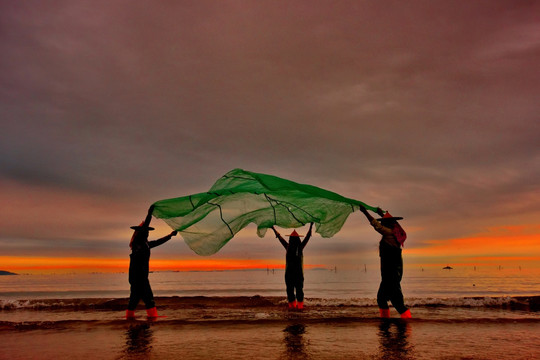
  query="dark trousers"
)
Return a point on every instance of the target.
[
  {"x": 294, "y": 282},
  {"x": 390, "y": 290},
  {"x": 141, "y": 290}
]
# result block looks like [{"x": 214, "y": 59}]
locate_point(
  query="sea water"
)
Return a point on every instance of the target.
[
  {"x": 417, "y": 283},
  {"x": 487, "y": 313}
]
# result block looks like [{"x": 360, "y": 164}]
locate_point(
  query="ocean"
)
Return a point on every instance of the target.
[{"x": 463, "y": 313}]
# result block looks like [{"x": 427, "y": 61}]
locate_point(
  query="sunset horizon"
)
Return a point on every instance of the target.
[
  {"x": 241, "y": 179},
  {"x": 483, "y": 250}
]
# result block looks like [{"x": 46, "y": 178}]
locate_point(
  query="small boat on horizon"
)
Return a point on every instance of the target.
[{"x": 448, "y": 268}]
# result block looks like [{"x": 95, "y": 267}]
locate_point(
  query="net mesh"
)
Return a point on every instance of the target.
[{"x": 207, "y": 221}]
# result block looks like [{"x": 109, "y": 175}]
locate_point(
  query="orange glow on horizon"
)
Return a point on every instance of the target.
[
  {"x": 505, "y": 244},
  {"x": 511, "y": 246},
  {"x": 72, "y": 264}
]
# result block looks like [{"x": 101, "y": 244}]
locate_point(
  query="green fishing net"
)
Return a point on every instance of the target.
[{"x": 207, "y": 221}]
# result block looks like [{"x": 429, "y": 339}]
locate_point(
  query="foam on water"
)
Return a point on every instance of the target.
[
  {"x": 177, "y": 302},
  {"x": 224, "y": 315}
]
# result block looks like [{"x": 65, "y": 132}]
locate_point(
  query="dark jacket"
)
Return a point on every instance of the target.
[
  {"x": 390, "y": 253},
  {"x": 140, "y": 258},
  {"x": 295, "y": 256}
]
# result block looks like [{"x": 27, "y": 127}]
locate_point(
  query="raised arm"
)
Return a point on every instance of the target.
[
  {"x": 281, "y": 240},
  {"x": 376, "y": 225},
  {"x": 368, "y": 215},
  {"x": 149, "y": 216},
  {"x": 163, "y": 240},
  {"x": 308, "y": 236}
]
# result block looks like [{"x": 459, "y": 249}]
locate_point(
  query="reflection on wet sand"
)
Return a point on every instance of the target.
[
  {"x": 139, "y": 338},
  {"x": 394, "y": 340},
  {"x": 295, "y": 344}
]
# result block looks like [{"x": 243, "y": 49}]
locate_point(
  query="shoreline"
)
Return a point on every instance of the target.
[
  {"x": 526, "y": 303},
  {"x": 214, "y": 331},
  {"x": 246, "y": 327},
  {"x": 35, "y": 314}
]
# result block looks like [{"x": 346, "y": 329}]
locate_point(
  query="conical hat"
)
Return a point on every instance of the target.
[
  {"x": 294, "y": 233},
  {"x": 387, "y": 216},
  {"x": 142, "y": 227}
]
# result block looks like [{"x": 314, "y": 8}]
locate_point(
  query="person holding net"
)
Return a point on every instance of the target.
[
  {"x": 139, "y": 267},
  {"x": 294, "y": 267},
  {"x": 393, "y": 237}
]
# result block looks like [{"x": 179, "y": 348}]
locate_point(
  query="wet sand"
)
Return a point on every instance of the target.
[
  {"x": 288, "y": 339},
  {"x": 261, "y": 328}
]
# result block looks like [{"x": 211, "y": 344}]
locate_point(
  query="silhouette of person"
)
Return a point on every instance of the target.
[
  {"x": 139, "y": 340},
  {"x": 139, "y": 267},
  {"x": 295, "y": 344},
  {"x": 294, "y": 267},
  {"x": 393, "y": 237},
  {"x": 394, "y": 340}
]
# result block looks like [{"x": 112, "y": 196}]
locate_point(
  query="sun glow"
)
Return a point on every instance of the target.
[
  {"x": 79, "y": 264},
  {"x": 516, "y": 245}
]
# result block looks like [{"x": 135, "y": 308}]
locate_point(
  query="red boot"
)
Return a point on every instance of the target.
[
  {"x": 385, "y": 313},
  {"x": 152, "y": 312},
  {"x": 292, "y": 305},
  {"x": 406, "y": 314},
  {"x": 300, "y": 305},
  {"x": 130, "y": 314}
]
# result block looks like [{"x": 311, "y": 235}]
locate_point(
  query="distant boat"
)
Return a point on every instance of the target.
[{"x": 447, "y": 268}]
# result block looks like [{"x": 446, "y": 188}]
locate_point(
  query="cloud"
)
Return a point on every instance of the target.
[{"x": 427, "y": 109}]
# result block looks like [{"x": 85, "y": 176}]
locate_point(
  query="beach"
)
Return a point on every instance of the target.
[
  {"x": 219, "y": 325},
  {"x": 258, "y": 327}
]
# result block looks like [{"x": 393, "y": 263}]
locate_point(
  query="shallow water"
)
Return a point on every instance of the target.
[
  {"x": 417, "y": 283},
  {"x": 262, "y": 327},
  {"x": 240, "y": 315},
  {"x": 257, "y": 308},
  {"x": 289, "y": 338}
]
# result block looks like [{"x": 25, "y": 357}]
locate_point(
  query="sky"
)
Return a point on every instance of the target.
[{"x": 428, "y": 109}]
